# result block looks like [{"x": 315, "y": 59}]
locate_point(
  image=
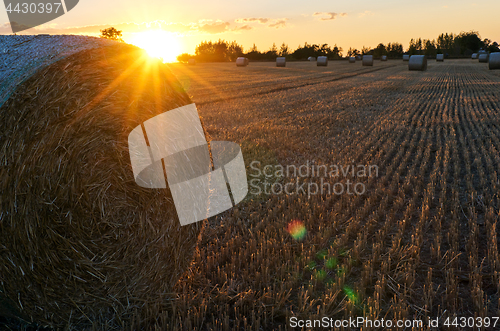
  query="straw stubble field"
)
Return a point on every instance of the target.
[{"x": 422, "y": 242}]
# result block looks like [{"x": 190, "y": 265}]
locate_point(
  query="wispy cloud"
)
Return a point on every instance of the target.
[
  {"x": 278, "y": 23},
  {"x": 200, "y": 27},
  {"x": 365, "y": 13},
  {"x": 260, "y": 20},
  {"x": 328, "y": 16}
]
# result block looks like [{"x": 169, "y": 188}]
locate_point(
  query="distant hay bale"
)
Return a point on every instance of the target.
[
  {"x": 367, "y": 60},
  {"x": 322, "y": 61},
  {"x": 494, "y": 61},
  {"x": 82, "y": 244},
  {"x": 281, "y": 62},
  {"x": 483, "y": 57},
  {"x": 474, "y": 56},
  {"x": 192, "y": 62},
  {"x": 440, "y": 57},
  {"x": 241, "y": 62},
  {"x": 311, "y": 59},
  {"x": 384, "y": 58},
  {"x": 417, "y": 62},
  {"x": 352, "y": 59},
  {"x": 406, "y": 57}
]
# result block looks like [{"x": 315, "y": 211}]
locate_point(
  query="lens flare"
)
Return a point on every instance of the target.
[{"x": 297, "y": 230}]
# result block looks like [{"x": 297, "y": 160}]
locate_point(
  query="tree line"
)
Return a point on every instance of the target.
[{"x": 454, "y": 45}]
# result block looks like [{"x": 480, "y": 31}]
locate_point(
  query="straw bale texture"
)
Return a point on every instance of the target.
[
  {"x": 417, "y": 62},
  {"x": 281, "y": 62},
  {"x": 322, "y": 61},
  {"x": 81, "y": 244},
  {"x": 483, "y": 57},
  {"x": 494, "y": 62},
  {"x": 367, "y": 60}
]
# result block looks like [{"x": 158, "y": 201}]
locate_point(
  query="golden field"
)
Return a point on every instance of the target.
[{"x": 422, "y": 240}]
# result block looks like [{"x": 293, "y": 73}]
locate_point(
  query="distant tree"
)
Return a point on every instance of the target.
[
  {"x": 430, "y": 47},
  {"x": 493, "y": 47},
  {"x": 366, "y": 51},
  {"x": 112, "y": 33},
  {"x": 380, "y": 50},
  {"x": 208, "y": 51},
  {"x": 234, "y": 51},
  {"x": 394, "y": 50},
  {"x": 184, "y": 57},
  {"x": 284, "y": 50},
  {"x": 352, "y": 52},
  {"x": 468, "y": 42}
]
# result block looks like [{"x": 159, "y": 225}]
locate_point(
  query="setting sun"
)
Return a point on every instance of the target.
[{"x": 157, "y": 43}]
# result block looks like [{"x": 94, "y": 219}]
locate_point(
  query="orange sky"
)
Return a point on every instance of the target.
[{"x": 347, "y": 24}]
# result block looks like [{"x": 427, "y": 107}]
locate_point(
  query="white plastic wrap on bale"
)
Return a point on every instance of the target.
[
  {"x": 440, "y": 57},
  {"x": 192, "y": 62},
  {"x": 417, "y": 62},
  {"x": 406, "y": 57},
  {"x": 311, "y": 58},
  {"x": 352, "y": 59},
  {"x": 322, "y": 61},
  {"x": 474, "y": 56},
  {"x": 281, "y": 62},
  {"x": 367, "y": 60},
  {"x": 494, "y": 61},
  {"x": 241, "y": 62},
  {"x": 483, "y": 57},
  {"x": 384, "y": 58}
]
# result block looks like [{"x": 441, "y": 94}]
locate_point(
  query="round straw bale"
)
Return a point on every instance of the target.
[
  {"x": 367, "y": 60},
  {"x": 406, "y": 57},
  {"x": 440, "y": 57},
  {"x": 483, "y": 57},
  {"x": 322, "y": 61},
  {"x": 281, "y": 62},
  {"x": 494, "y": 62},
  {"x": 311, "y": 58},
  {"x": 474, "y": 56},
  {"x": 241, "y": 62},
  {"x": 384, "y": 58},
  {"x": 417, "y": 62},
  {"x": 81, "y": 244},
  {"x": 192, "y": 62},
  {"x": 352, "y": 59}
]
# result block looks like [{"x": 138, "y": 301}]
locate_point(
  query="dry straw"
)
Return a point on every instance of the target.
[
  {"x": 417, "y": 62},
  {"x": 352, "y": 59},
  {"x": 406, "y": 57},
  {"x": 281, "y": 62},
  {"x": 483, "y": 57},
  {"x": 81, "y": 243},
  {"x": 494, "y": 61},
  {"x": 322, "y": 61},
  {"x": 241, "y": 62},
  {"x": 384, "y": 58},
  {"x": 367, "y": 60},
  {"x": 440, "y": 57},
  {"x": 192, "y": 62}
]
